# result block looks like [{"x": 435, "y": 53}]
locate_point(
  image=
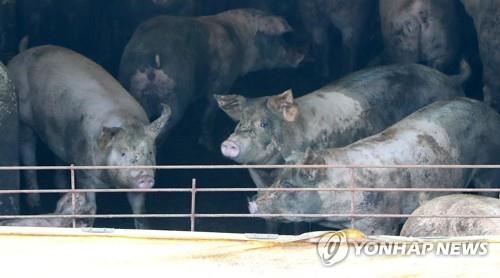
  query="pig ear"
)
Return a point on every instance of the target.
[
  {"x": 274, "y": 26},
  {"x": 284, "y": 106},
  {"x": 312, "y": 174},
  {"x": 232, "y": 105},
  {"x": 107, "y": 134},
  {"x": 155, "y": 128}
]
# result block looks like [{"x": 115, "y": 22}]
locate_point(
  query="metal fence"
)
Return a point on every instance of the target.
[{"x": 193, "y": 215}]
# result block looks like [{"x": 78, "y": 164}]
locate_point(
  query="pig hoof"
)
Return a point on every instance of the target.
[{"x": 33, "y": 200}]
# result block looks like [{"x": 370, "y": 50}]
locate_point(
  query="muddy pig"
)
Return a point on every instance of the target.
[
  {"x": 85, "y": 117},
  {"x": 357, "y": 106},
  {"x": 176, "y": 60},
  {"x": 457, "y": 132}
]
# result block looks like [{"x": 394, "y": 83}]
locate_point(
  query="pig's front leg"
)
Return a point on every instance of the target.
[
  {"x": 28, "y": 156},
  {"x": 137, "y": 202}
]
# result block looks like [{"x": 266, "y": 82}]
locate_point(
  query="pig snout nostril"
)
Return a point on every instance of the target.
[
  {"x": 230, "y": 149},
  {"x": 146, "y": 182}
]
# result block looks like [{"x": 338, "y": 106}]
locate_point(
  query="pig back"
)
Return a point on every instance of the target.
[
  {"x": 366, "y": 102},
  {"x": 459, "y": 131},
  {"x": 456, "y": 132}
]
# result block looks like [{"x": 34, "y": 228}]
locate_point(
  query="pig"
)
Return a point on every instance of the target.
[
  {"x": 359, "y": 105},
  {"x": 9, "y": 147},
  {"x": 456, "y": 204},
  {"x": 421, "y": 31},
  {"x": 486, "y": 17},
  {"x": 457, "y": 132},
  {"x": 83, "y": 206},
  {"x": 176, "y": 60},
  {"x": 85, "y": 117},
  {"x": 349, "y": 17}
]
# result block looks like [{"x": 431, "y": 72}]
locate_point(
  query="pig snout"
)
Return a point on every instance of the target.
[
  {"x": 230, "y": 149},
  {"x": 145, "y": 182}
]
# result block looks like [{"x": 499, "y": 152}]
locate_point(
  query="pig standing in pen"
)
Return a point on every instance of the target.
[
  {"x": 86, "y": 118},
  {"x": 176, "y": 60},
  {"x": 460, "y": 131},
  {"x": 357, "y": 106}
]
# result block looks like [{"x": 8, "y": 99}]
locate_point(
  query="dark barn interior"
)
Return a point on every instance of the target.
[{"x": 100, "y": 30}]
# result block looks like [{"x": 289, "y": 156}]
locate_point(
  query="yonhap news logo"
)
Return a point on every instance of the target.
[{"x": 334, "y": 247}]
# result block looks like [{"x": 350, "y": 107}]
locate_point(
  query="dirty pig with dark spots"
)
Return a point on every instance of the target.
[
  {"x": 85, "y": 117},
  {"x": 457, "y": 132},
  {"x": 176, "y": 60},
  {"x": 359, "y": 105}
]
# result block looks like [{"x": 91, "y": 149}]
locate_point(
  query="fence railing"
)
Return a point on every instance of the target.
[{"x": 193, "y": 215}]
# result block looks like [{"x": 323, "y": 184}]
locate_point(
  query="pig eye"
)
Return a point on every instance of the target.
[{"x": 123, "y": 154}]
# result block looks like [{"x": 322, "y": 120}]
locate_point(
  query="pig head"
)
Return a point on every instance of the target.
[{"x": 262, "y": 124}]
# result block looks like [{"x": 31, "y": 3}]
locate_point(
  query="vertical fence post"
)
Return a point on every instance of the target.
[
  {"x": 193, "y": 204},
  {"x": 73, "y": 197},
  {"x": 353, "y": 185}
]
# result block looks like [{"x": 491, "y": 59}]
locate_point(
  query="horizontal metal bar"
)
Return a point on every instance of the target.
[
  {"x": 234, "y": 189},
  {"x": 369, "y": 189},
  {"x": 227, "y": 167},
  {"x": 343, "y": 215},
  {"x": 236, "y": 215},
  {"x": 100, "y": 190}
]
